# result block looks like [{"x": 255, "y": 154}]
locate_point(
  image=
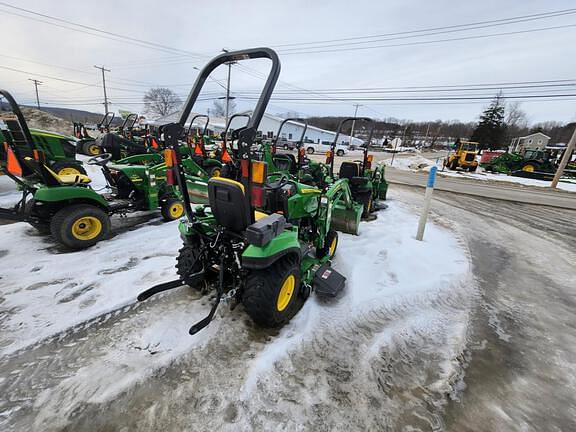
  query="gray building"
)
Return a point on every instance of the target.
[{"x": 535, "y": 141}]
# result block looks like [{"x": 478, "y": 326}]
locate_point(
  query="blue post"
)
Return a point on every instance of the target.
[{"x": 427, "y": 202}]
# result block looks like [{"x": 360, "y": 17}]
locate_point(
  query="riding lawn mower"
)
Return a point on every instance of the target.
[{"x": 65, "y": 205}]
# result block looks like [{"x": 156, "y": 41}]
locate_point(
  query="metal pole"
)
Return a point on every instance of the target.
[
  {"x": 427, "y": 202},
  {"x": 565, "y": 159},
  {"x": 104, "y": 85},
  {"x": 36, "y": 83},
  {"x": 228, "y": 92},
  {"x": 354, "y": 124}
]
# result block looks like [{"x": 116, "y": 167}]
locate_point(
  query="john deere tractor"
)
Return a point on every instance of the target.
[
  {"x": 60, "y": 150},
  {"x": 464, "y": 156},
  {"x": 264, "y": 241},
  {"x": 65, "y": 205},
  {"x": 87, "y": 144}
]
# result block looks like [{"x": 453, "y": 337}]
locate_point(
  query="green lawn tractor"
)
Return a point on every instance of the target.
[
  {"x": 87, "y": 144},
  {"x": 123, "y": 142},
  {"x": 282, "y": 162},
  {"x": 261, "y": 243},
  {"x": 60, "y": 150},
  {"x": 65, "y": 205}
]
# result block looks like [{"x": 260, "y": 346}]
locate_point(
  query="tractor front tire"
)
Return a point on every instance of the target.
[
  {"x": 453, "y": 165},
  {"x": 272, "y": 296},
  {"x": 67, "y": 168},
  {"x": 80, "y": 226},
  {"x": 172, "y": 209},
  {"x": 330, "y": 245},
  {"x": 473, "y": 168}
]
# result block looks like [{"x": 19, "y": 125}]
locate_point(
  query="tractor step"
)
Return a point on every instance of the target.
[{"x": 328, "y": 282}]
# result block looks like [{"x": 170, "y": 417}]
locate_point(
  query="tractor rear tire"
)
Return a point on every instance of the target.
[
  {"x": 187, "y": 264},
  {"x": 90, "y": 148},
  {"x": 68, "y": 167},
  {"x": 272, "y": 296},
  {"x": 473, "y": 168},
  {"x": 172, "y": 209},
  {"x": 453, "y": 165},
  {"x": 330, "y": 245},
  {"x": 80, "y": 226},
  {"x": 215, "y": 171}
]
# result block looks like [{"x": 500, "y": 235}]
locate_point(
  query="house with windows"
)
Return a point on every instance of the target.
[{"x": 535, "y": 141}]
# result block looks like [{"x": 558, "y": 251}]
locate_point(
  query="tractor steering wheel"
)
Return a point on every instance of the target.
[
  {"x": 278, "y": 183},
  {"x": 101, "y": 159}
]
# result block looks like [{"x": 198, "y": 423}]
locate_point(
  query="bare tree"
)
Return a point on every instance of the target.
[
  {"x": 219, "y": 109},
  {"x": 161, "y": 101},
  {"x": 515, "y": 116}
]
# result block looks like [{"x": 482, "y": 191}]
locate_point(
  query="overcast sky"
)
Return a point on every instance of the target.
[{"x": 201, "y": 29}]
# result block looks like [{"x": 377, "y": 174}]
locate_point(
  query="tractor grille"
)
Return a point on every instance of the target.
[{"x": 470, "y": 157}]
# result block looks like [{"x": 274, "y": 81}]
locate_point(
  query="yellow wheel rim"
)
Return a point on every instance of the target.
[
  {"x": 286, "y": 293},
  {"x": 69, "y": 171},
  {"x": 216, "y": 173},
  {"x": 93, "y": 149},
  {"x": 332, "y": 248},
  {"x": 86, "y": 228},
  {"x": 176, "y": 210},
  {"x": 528, "y": 168}
]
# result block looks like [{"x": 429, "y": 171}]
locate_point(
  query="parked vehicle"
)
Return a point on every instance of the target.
[{"x": 324, "y": 147}]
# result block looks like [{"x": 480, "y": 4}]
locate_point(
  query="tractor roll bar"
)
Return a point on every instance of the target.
[
  {"x": 173, "y": 131},
  {"x": 335, "y": 142},
  {"x": 247, "y": 54},
  {"x": 290, "y": 119},
  {"x": 227, "y": 128},
  {"x": 197, "y": 116},
  {"x": 106, "y": 120},
  {"x": 129, "y": 118},
  {"x": 16, "y": 110}
]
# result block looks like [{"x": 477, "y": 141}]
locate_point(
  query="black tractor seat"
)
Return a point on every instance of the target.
[{"x": 285, "y": 162}]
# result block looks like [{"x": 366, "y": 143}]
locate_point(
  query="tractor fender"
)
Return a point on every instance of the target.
[
  {"x": 69, "y": 193},
  {"x": 261, "y": 257}
]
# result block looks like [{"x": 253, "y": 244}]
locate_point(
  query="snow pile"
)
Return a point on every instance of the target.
[
  {"x": 386, "y": 268},
  {"x": 415, "y": 163}
]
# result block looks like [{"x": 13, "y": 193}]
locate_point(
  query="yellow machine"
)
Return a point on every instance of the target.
[{"x": 464, "y": 156}]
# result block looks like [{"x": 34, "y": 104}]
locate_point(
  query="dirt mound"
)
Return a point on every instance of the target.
[{"x": 42, "y": 120}]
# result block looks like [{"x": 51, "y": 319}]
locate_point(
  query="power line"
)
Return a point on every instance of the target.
[
  {"x": 429, "y": 42},
  {"x": 501, "y": 21}
]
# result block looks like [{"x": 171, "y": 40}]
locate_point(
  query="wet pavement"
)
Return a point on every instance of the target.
[{"x": 493, "y": 352}]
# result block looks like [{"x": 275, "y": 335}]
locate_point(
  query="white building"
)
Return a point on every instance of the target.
[{"x": 535, "y": 141}]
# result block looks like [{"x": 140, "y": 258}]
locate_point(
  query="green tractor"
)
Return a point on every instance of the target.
[
  {"x": 65, "y": 205},
  {"x": 87, "y": 144},
  {"x": 60, "y": 150},
  {"x": 368, "y": 184},
  {"x": 124, "y": 142},
  {"x": 265, "y": 243}
]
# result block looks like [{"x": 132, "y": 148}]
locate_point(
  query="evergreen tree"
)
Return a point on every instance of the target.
[{"x": 491, "y": 129}]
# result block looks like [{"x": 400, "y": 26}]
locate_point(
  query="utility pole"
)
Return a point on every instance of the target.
[
  {"x": 354, "y": 124},
  {"x": 230, "y": 63},
  {"x": 36, "y": 84},
  {"x": 565, "y": 159},
  {"x": 104, "y": 85}
]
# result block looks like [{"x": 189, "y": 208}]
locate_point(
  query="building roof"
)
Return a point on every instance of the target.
[{"x": 535, "y": 133}]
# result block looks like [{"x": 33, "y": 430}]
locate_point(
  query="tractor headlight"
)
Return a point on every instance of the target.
[{"x": 324, "y": 201}]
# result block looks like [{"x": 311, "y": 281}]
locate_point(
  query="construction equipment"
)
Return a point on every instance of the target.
[
  {"x": 263, "y": 243},
  {"x": 65, "y": 205},
  {"x": 464, "y": 156}
]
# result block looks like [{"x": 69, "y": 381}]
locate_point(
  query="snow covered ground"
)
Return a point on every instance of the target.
[
  {"x": 396, "y": 286},
  {"x": 419, "y": 163}
]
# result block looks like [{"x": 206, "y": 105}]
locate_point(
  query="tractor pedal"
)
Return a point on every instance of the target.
[{"x": 328, "y": 282}]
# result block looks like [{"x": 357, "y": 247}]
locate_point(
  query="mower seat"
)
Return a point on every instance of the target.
[
  {"x": 349, "y": 170},
  {"x": 229, "y": 204},
  {"x": 53, "y": 179}
]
